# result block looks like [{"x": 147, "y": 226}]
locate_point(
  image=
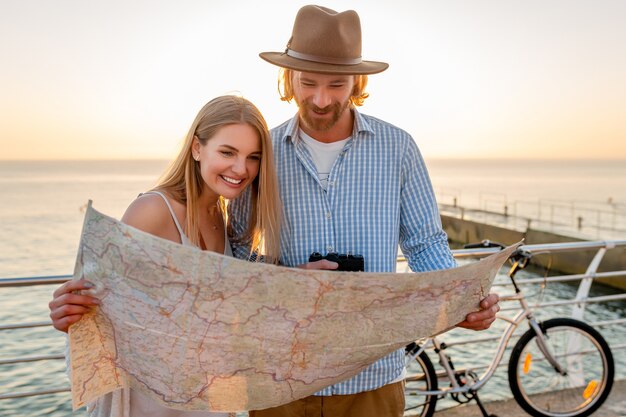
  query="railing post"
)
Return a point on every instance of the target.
[
  {"x": 552, "y": 215},
  {"x": 585, "y": 285}
]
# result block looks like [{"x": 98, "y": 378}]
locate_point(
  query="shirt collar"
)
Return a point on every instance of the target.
[{"x": 360, "y": 126}]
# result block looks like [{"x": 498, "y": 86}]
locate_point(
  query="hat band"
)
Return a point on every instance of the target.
[{"x": 323, "y": 59}]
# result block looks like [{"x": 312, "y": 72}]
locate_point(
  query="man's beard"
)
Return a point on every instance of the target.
[{"x": 321, "y": 125}]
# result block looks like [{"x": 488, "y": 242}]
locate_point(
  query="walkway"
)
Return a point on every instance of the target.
[{"x": 615, "y": 406}]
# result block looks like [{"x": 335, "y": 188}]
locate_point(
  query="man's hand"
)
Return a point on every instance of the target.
[
  {"x": 323, "y": 264},
  {"x": 481, "y": 320}
]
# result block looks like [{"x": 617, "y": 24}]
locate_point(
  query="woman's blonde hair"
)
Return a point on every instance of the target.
[
  {"x": 183, "y": 180},
  {"x": 285, "y": 87}
]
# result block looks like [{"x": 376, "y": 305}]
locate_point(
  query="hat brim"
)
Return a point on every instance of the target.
[{"x": 283, "y": 60}]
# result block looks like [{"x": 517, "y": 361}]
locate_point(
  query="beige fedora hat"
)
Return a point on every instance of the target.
[{"x": 327, "y": 42}]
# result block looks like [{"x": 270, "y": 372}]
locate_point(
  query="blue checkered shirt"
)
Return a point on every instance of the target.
[{"x": 378, "y": 196}]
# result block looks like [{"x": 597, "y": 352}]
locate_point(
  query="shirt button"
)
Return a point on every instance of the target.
[
  {"x": 331, "y": 183},
  {"x": 329, "y": 248},
  {"x": 328, "y": 215}
]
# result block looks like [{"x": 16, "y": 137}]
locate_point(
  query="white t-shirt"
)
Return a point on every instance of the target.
[{"x": 323, "y": 154}]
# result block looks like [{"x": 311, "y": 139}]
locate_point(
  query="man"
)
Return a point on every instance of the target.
[{"x": 350, "y": 183}]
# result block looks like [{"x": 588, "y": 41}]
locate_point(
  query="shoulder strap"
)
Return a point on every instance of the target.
[{"x": 169, "y": 206}]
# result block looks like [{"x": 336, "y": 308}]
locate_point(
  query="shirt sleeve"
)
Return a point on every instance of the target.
[
  {"x": 422, "y": 238},
  {"x": 238, "y": 215}
]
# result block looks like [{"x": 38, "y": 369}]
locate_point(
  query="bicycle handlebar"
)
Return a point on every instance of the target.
[
  {"x": 520, "y": 256},
  {"x": 484, "y": 244}
]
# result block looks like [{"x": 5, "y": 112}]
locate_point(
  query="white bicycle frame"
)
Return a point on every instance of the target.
[{"x": 524, "y": 314}]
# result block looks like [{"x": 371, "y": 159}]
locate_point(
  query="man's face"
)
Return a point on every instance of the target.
[{"x": 322, "y": 98}]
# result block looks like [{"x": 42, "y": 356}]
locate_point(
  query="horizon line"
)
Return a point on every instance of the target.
[{"x": 455, "y": 158}]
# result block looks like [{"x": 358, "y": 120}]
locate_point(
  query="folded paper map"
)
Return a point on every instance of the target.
[{"x": 197, "y": 330}]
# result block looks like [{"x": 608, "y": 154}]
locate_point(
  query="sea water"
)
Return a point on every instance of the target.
[{"x": 42, "y": 211}]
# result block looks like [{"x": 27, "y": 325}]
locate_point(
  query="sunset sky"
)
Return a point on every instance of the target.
[{"x": 86, "y": 79}]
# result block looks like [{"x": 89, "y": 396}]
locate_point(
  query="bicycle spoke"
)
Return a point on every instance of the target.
[
  {"x": 420, "y": 377},
  {"x": 586, "y": 363}
]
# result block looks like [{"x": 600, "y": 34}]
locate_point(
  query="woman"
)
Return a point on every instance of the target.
[{"x": 227, "y": 149}]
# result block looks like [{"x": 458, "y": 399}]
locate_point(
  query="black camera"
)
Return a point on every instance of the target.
[{"x": 346, "y": 262}]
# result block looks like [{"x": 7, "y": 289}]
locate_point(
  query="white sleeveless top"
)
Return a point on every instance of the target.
[
  {"x": 184, "y": 240},
  {"x": 127, "y": 402}
]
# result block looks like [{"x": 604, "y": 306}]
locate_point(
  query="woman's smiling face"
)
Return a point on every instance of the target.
[{"x": 230, "y": 160}]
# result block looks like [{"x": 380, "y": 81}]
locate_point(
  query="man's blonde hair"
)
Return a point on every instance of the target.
[
  {"x": 183, "y": 180},
  {"x": 285, "y": 87}
]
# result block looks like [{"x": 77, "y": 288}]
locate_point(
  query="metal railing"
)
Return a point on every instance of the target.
[{"x": 579, "y": 302}]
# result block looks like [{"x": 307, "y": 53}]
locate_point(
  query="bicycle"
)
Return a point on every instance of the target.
[{"x": 558, "y": 368}]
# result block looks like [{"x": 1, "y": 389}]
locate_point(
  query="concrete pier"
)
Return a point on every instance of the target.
[{"x": 468, "y": 231}]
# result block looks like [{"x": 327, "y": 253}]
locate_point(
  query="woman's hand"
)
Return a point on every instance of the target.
[{"x": 67, "y": 307}]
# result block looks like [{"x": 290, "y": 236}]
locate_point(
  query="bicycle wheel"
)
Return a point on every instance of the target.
[
  {"x": 584, "y": 355},
  {"x": 421, "y": 376}
]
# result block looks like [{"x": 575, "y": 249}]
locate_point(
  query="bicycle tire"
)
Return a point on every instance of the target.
[
  {"x": 541, "y": 391},
  {"x": 421, "y": 376}
]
